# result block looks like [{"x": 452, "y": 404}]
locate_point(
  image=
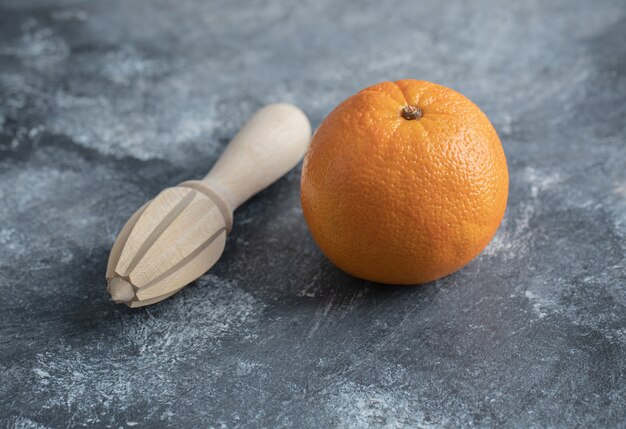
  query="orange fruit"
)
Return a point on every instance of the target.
[{"x": 404, "y": 182}]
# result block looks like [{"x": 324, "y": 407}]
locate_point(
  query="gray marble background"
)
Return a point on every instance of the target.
[{"x": 104, "y": 103}]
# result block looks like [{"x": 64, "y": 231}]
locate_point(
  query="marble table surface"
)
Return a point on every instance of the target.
[{"x": 102, "y": 104}]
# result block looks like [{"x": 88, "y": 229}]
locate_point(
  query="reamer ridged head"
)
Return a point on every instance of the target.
[{"x": 168, "y": 243}]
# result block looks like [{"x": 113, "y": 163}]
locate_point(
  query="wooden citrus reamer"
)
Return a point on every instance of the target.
[{"x": 176, "y": 237}]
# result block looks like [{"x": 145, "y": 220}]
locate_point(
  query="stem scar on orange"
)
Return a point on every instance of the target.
[{"x": 404, "y": 182}]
